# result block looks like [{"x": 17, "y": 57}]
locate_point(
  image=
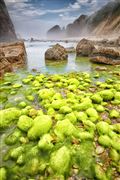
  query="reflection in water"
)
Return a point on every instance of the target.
[
  {"x": 56, "y": 67},
  {"x": 83, "y": 64}
]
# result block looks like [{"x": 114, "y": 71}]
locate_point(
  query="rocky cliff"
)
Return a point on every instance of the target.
[
  {"x": 105, "y": 21},
  {"x": 7, "y": 32},
  {"x": 56, "y": 32}
]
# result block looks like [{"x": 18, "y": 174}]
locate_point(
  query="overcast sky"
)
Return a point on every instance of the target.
[{"x": 32, "y": 18}]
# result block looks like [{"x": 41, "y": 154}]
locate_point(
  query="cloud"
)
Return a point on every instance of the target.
[{"x": 29, "y": 18}]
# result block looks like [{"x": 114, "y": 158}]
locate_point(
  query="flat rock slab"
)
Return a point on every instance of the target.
[
  {"x": 11, "y": 55},
  {"x": 104, "y": 60}
]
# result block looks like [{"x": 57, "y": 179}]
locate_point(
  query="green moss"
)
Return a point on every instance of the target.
[
  {"x": 103, "y": 127},
  {"x": 60, "y": 160},
  {"x": 114, "y": 114},
  {"x": 25, "y": 123},
  {"x": 105, "y": 141},
  {"x": 92, "y": 113},
  {"x": 96, "y": 98},
  {"x": 45, "y": 142},
  {"x": 114, "y": 155},
  {"x": 65, "y": 110},
  {"x": 41, "y": 125},
  {"x": 3, "y": 173},
  {"x": 107, "y": 95},
  {"x": 64, "y": 128},
  {"x": 7, "y": 116},
  {"x": 13, "y": 137},
  {"x": 99, "y": 173},
  {"x": 71, "y": 116}
]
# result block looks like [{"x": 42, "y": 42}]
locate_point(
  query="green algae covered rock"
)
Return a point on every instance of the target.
[
  {"x": 71, "y": 116},
  {"x": 16, "y": 152},
  {"x": 13, "y": 137},
  {"x": 64, "y": 128},
  {"x": 92, "y": 113},
  {"x": 103, "y": 127},
  {"x": 60, "y": 160},
  {"x": 116, "y": 143},
  {"x": 85, "y": 135},
  {"x": 114, "y": 114},
  {"x": 46, "y": 93},
  {"x": 89, "y": 125},
  {"x": 24, "y": 123},
  {"x": 114, "y": 155},
  {"x": 32, "y": 166},
  {"x": 85, "y": 104},
  {"x": 100, "y": 108},
  {"x": 105, "y": 141},
  {"x": 99, "y": 173},
  {"x": 45, "y": 142},
  {"x": 107, "y": 95},
  {"x": 22, "y": 104},
  {"x": 65, "y": 110},
  {"x": 116, "y": 127},
  {"x": 3, "y": 173},
  {"x": 41, "y": 125},
  {"x": 81, "y": 116},
  {"x": 57, "y": 104},
  {"x": 7, "y": 116},
  {"x": 117, "y": 96},
  {"x": 96, "y": 98}
]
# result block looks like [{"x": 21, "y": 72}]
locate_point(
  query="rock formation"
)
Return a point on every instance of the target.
[
  {"x": 105, "y": 21},
  {"x": 106, "y": 56},
  {"x": 77, "y": 28},
  {"x": 85, "y": 48},
  {"x": 11, "y": 55},
  {"x": 56, "y": 32},
  {"x": 57, "y": 53},
  {"x": 7, "y": 32}
]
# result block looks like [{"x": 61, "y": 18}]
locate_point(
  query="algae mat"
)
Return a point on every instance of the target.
[{"x": 60, "y": 126}]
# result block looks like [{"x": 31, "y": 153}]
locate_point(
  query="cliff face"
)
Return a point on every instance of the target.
[
  {"x": 106, "y": 21},
  {"x": 55, "y": 32},
  {"x": 77, "y": 28},
  {"x": 7, "y": 32}
]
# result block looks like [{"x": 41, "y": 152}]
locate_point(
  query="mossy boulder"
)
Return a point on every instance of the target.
[
  {"x": 107, "y": 95},
  {"x": 24, "y": 123},
  {"x": 60, "y": 160},
  {"x": 41, "y": 125}
]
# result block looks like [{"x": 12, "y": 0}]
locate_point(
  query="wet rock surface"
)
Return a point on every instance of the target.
[
  {"x": 104, "y": 60},
  {"x": 11, "y": 55},
  {"x": 85, "y": 48},
  {"x": 57, "y": 52},
  {"x": 106, "y": 56}
]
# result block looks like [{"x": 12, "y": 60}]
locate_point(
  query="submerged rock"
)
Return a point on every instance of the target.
[
  {"x": 11, "y": 54},
  {"x": 106, "y": 56},
  {"x": 104, "y": 60},
  {"x": 85, "y": 48},
  {"x": 57, "y": 53}
]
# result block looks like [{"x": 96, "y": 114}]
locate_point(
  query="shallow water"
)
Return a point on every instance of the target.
[{"x": 36, "y": 60}]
